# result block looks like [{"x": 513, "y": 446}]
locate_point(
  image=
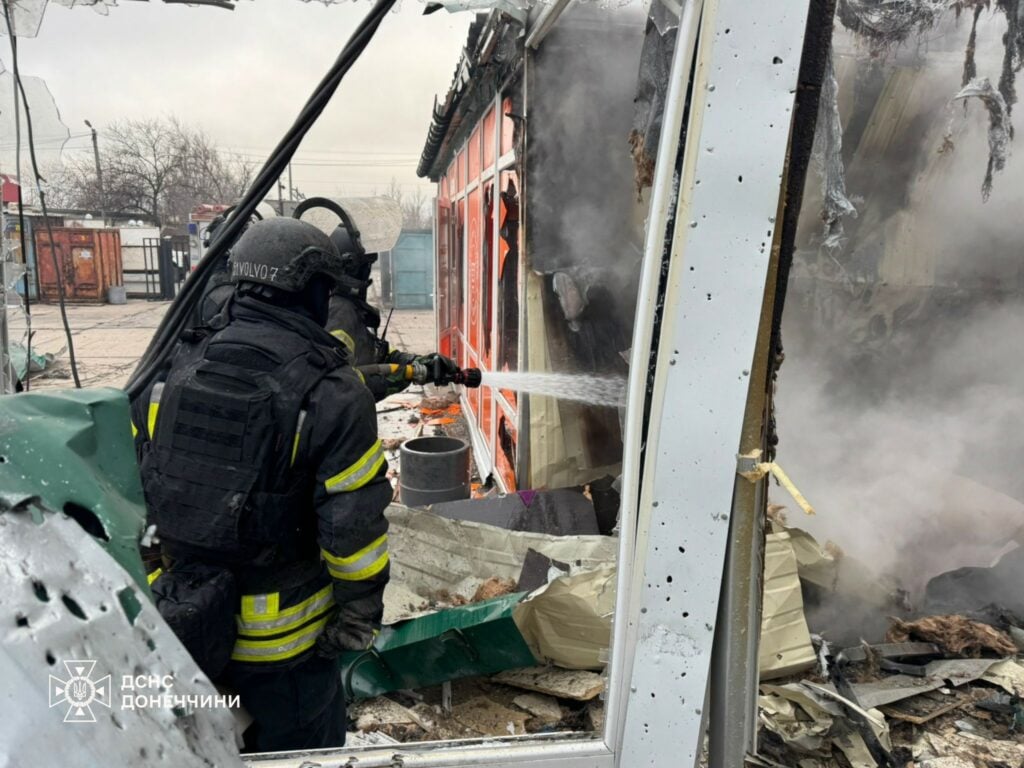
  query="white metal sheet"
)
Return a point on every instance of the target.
[{"x": 748, "y": 59}]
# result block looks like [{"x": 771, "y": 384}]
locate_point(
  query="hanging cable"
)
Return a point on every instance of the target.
[
  {"x": 21, "y": 238},
  {"x": 20, "y": 88},
  {"x": 183, "y": 306}
]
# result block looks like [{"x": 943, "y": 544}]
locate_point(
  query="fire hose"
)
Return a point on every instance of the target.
[{"x": 418, "y": 373}]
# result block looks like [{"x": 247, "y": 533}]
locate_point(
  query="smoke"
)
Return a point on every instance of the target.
[
  {"x": 585, "y": 224},
  {"x": 901, "y": 398}
]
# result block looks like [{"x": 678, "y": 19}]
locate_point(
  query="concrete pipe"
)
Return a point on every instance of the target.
[{"x": 434, "y": 469}]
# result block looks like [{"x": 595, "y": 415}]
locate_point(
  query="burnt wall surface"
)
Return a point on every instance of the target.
[{"x": 584, "y": 220}]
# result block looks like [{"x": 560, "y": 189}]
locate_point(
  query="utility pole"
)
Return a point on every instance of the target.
[
  {"x": 280, "y": 197},
  {"x": 291, "y": 189},
  {"x": 99, "y": 172}
]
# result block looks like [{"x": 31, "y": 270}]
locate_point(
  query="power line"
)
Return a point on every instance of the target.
[
  {"x": 45, "y": 142},
  {"x": 306, "y": 164},
  {"x": 355, "y": 152}
]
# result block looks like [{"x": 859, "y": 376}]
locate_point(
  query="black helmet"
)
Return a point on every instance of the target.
[
  {"x": 284, "y": 253},
  {"x": 357, "y": 260}
]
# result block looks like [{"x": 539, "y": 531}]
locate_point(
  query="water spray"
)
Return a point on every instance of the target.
[
  {"x": 582, "y": 388},
  {"x": 607, "y": 391}
]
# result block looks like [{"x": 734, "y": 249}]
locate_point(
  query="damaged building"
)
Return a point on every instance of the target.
[{"x": 539, "y": 230}]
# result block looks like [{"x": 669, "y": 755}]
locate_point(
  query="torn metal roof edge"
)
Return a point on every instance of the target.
[{"x": 471, "y": 89}]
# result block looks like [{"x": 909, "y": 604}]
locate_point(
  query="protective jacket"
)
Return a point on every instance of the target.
[
  {"x": 259, "y": 453},
  {"x": 355, "y": 324}
]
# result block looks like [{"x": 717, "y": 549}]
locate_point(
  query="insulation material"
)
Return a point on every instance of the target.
[
  {"x": 785, "y": 639},
  {"x": 569, "y": 622},
  {"x": 955, "y": 635},
  {"x": 999, "y": 129}
]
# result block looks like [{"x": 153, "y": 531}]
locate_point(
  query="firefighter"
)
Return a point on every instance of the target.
[
  {"x": 266, "y": 480},
  {"x": 355, "y": 322}
]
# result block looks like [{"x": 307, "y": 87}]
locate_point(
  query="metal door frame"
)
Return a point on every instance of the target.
[{"x": 162, "y": 280}]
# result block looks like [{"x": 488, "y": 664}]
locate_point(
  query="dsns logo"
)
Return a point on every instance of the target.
[{"x": 80, "y": 692}]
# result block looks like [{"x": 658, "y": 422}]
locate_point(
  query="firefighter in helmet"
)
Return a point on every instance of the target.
[
  {"x": 354, "y": 321},
  {"x": 266, "y": 480}
]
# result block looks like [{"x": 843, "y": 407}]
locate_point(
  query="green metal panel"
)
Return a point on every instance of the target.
[
  {"x": 477, "y": 639},
  {"x": 412, "y": 271},
  {"x": 71, "y": 448}
]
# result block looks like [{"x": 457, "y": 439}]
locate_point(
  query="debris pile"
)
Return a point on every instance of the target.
[
  {"x": 922, "y": 690},
  {"x": 541, "y": 700},
  {"x": 511, "y": 599}
]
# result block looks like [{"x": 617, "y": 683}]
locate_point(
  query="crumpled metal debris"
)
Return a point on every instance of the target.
[
  {"x": 887, "y": 23},
  {"x": 828, "y": 157},
  {"x": 811, "y": 720},
  {"x": 999, "y": 130}
]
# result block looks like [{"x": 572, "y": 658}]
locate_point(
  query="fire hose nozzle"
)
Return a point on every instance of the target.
[{"x": 468, "y": 377}]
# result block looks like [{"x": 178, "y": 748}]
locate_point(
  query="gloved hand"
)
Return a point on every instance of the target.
[
  {"x": 446, "y": 368},
  {"x": 345, "y": 633},
  {"x": 396, "y": 382}
]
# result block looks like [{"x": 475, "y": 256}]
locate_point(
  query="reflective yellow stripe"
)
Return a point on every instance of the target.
[
  {"x": 290, "y": 618},
  {"x": 367, "y": 562},
  {"x": 150, "y": 578},
  {"x": 360, "y": 473},
  {"x": 298, "y": 434},
  {"x": 135, "y": 430},
  {"x": 368, "y": 572},
  {"x": 260, "y": 606},
  {"x": 281, "y": 648},
  {"x": 154, "y": 407},
  {"x": 345, "y": 339}
]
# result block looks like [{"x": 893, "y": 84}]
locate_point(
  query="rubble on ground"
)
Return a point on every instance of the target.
[
  {"x": 480, "y": 707},
  {"x": 940, "y": 690}
]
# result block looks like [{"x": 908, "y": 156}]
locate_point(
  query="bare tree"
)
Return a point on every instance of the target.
[
  {"x": 159, "y": 169},
  {"x": 417, "y": 209}
]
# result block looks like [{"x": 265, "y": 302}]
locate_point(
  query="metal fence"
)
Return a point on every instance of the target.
[{"x": 166, "y": 265}]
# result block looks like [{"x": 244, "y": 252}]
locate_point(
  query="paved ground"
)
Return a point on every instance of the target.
[{"x": 109, "y": 339}]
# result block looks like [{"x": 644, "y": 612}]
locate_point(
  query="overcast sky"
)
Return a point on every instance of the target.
[{"x": 243, "y": 75}]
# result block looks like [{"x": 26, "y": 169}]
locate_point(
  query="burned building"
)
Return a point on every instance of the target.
[{"x": 539, "y": 230}]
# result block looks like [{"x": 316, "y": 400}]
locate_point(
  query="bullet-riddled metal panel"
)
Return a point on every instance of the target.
[
  {"x": 747, "y": 62},
  {"x": 66, "y": 606}
]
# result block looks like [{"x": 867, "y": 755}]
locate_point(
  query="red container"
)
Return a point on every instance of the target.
[{"x": 89, "y": 261}]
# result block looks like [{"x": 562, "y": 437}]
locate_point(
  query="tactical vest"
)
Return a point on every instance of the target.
[{"x": 218, "y": 474}]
